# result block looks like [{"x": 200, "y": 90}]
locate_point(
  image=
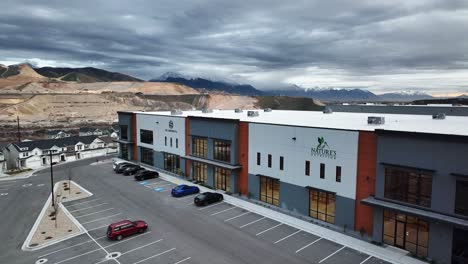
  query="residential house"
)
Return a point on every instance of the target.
[
  {"x": 90, "y": 131},
  {"x": 53, "y": 134},
  {"x": 38, "y": 153},
  {"x": 111, "y": 144}
]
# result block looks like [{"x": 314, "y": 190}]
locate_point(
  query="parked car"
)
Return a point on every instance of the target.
[
  {"x": 121, "y": 167},
  {"x": 145, "y": 175},
  {"x": 182, "y": 190},
  {"x": 207, "y": 198},
  {"x": 130, "y": 170},
  {"x": 116, "y": 162},
  {"x": 119, "y": 230}
]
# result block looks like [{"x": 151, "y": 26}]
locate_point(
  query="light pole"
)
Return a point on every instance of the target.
[{"x": 51, "y": 179}]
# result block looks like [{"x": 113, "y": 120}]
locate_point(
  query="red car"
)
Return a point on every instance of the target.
[{"x": 124, "y": 228}]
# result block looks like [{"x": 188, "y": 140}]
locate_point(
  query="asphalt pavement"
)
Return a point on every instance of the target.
[{"x": 179, "y": 232}]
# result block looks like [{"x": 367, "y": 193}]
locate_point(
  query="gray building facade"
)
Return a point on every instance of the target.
[
  {"x": 127, "y": 135},
  {"x": 420, "y": 201}
]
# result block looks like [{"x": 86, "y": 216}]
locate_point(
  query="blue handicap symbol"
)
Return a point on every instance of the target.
[
  {"x": 159, "y": 189},
  {"x": 143, "y": 183}
]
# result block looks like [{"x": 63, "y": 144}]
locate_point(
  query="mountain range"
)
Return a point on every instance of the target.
[{"x": 85, "y": 75}]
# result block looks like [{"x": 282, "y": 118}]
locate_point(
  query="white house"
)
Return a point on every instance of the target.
[
  {"x": 90, "y": 131},
  {"x": 39, "y": 153}
]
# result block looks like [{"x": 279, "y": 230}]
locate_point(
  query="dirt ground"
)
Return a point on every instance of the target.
[{"x": 55, "y": 224}]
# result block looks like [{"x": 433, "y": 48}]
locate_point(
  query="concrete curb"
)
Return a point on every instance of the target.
[{"x": 82, "y": 230}]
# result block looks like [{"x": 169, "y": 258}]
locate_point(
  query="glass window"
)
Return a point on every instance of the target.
[
  {"x": 281, "y": 163},
  {"x": 171, "y": 142},
  {"x": 200, "y": 172},
  {"x": 222, "y": 179},
  {"x": 461, "y": 198},
  {"x": 269, "y": 160},
  {"x": 165, "y": 141},
  {"x": 222, "y": 150},
  {"x": 200, "y": 147},
  {"x": 146, "y": 156},
  {"x": 322, "y": 205},
  {"x": 307, "y": 168},
  {"x": 146, "y": 136},
  {"x": 269, "y": 190},
  {"x": 124, "y": 151},
  {"x": 338, "y": 173},
  {"x": 124, "y": 132},
  {"x": 408, "y": 186},
  {"x": 322, "y": 171},
  {"x": 172, "y": 163},
  {"x": 407, "y": 232},
  {"x": 258, "y": 158},
  {"x": 177, "y": 143}
]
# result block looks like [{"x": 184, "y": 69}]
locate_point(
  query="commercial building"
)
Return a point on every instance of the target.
[{"x": 400, "y": 179}]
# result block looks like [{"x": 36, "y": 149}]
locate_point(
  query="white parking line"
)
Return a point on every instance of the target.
[
  {"x": 273, "y": 227},
  {"x": 98, "y": 227},
  {"x": 206, "y": 207},
  {"x": 100, "y": 219},
  {"x": 331, "y": 254},
  {"x": 89, "y": 252},
  {"x": 288, "y": 236},
  {"x": 105, "y": 210},
  {"x": 86, "y": 202},
  {"x": 169, "y": 250},
  {"x": 185, "y": 198},
  {"x": 183, "y": 260},
  {"x": 224, "y": 210},
  {"x": 155, "y": 183},
  {"x": 253, "y": 222},
  {"x": 297, "y": 251},
  {"x": 227, "y": 220},
  {"x": 190, "y": 203},
  {"x": 366, "y": 259},
  {"x": 77, "y": 210},
  {"x": 154, "y": 242},
  {"x": 53, "y": 252}
]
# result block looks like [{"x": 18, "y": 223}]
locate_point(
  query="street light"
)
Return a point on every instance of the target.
[{"x": 51, "y": 179}]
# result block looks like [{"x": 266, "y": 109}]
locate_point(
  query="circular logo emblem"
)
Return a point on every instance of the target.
[{"x": 171, "y": 124}]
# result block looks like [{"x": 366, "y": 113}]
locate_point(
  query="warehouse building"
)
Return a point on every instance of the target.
[{"x": 400, "y": 179}]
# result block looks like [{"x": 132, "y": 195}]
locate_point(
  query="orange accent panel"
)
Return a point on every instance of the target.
[
  {"x": 365, "y": 185},
  {"x": 187, "y": 146},
  {"x": 134, "y": 136},
  {"x": 243, "y": 148}
]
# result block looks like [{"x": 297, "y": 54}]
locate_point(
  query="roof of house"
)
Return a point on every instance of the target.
[
  {"x": 451, "y": 125},
  {"x": 107, "y": 139},
  {"x": 88, "y": 129},
  {"x": 53, "y": 132},
  {"x": 49, "y": 143}
]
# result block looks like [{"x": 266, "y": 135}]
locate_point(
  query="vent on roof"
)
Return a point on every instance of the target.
[
  {"x": 176, "y": 112},
  {"x": 267, "y": 110},
  {"x": 327, "y": 110},
  {"x": 238, "y": 110},
  {"x": 439, "y": 116},
  {"x": 375, "y": 120},
  {"x": 252, "y": 113},
  {"x": 207, "y": 110}
]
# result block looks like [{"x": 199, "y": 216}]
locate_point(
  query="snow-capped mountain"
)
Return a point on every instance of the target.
[{"x": 404, "y": 96}]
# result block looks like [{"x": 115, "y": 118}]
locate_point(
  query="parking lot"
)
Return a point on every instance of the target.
[{"x": 96, "y": 213}]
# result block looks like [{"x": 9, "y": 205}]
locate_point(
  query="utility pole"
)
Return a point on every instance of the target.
[
  {"x": 18, "y": 133},
  {"x": 51, "y": 179}
]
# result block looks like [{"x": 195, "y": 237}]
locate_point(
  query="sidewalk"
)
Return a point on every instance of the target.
[{"x": 387, "y": 253}]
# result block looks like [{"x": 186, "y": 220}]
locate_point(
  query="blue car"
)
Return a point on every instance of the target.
[{"x": 182, "y": 190}]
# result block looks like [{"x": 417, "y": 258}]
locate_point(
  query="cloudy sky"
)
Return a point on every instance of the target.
[{"x": 383, "y": 46}]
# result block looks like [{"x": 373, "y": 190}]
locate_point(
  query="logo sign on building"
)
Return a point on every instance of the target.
[
  {"x": 171, "y": 127},
  {"x": 323, "y": 150}
]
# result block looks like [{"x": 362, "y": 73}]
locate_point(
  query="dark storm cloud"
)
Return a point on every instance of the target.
[{"x": 269, "y": 43}]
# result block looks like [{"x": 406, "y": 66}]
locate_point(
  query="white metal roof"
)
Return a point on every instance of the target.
[{"x": 451, "y": 125}]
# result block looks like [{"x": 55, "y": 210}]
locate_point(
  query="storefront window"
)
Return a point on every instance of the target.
[
  {"x": 200, "y": 172},
  {"x": 269, "y": 190},
  {"x": 461, "y": 198},
  {"x": 147, "y": 156},
  {"x": 146, "y": 136},
  {"x": 172, "y": 163},
  {"x": 322, "y": 205},
  {"x": 222, "y": 150},
  {"x": 407, "y": 232},
  {"x": 200, "y": 147},
  {"x": 408, "y": 186},
  {"x": 124, "y": 151},
  {"x": 222, "y": 179}
]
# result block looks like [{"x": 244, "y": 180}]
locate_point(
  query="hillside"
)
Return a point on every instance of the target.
[{"x": 86, "y": 75}]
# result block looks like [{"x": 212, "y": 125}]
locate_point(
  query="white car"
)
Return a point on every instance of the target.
[{"x": 116, "y": 162}]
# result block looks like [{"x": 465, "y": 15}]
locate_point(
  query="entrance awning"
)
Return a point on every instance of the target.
[
  {"x": 214, "y": 163},
  {"x": 372, "y": 201}
]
